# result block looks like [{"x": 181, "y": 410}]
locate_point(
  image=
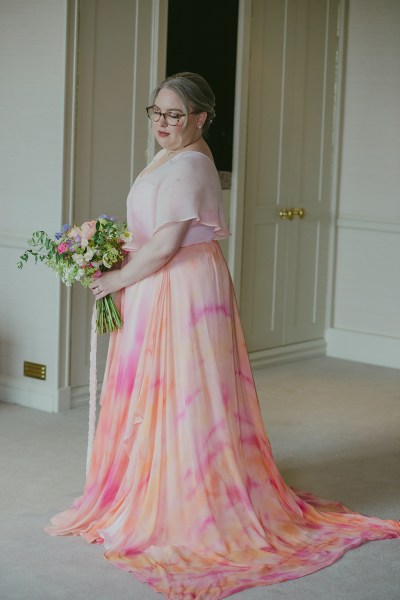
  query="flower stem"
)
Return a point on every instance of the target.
[{"x": 108, "y": 317}]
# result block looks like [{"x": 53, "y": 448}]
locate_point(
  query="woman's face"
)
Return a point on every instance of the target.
[{"x": 173, "y": 137}]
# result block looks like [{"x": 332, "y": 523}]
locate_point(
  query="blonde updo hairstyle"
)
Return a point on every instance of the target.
[{"x": 194, "y": 93}]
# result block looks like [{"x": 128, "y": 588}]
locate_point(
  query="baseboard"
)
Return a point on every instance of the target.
[
  {"x": 63, "y": 399},
  {"x": 32, "y": 395},
  {"x": 80, "y": 395},
  {"x": 369, "y": 348},
  {"x": 289, "y": 353}
]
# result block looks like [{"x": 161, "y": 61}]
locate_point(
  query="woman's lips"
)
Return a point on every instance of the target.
[{"x": 163, "y": 133}]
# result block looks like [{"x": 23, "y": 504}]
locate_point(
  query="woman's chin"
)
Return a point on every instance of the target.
[{"x": 162, "y": 138}]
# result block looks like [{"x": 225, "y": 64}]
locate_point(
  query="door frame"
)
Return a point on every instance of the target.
[
  {"x": 237, "y": 201},
  {"x": 342, "y": 33},
  {"x": 65, "y": 326}
]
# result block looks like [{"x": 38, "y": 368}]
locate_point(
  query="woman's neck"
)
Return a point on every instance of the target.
[{"x": 173, "y": 152}]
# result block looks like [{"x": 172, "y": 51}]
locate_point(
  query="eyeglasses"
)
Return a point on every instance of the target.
[{"x": 171, "y": 116}]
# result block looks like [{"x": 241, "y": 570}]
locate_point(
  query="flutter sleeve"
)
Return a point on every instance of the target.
[{"x": 191, "y": 190}]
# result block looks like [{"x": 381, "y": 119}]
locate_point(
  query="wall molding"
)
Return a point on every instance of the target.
[
  {"x": 369, "y": 348},
  {"x": 33, "y": 394},
  {"x": 14, "y": 239},
  {"x": 354, "y": 222},
  {"x": 289, "y": 353}
]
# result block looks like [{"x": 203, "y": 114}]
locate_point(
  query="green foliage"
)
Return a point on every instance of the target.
[{"x": 44, "y": 249}]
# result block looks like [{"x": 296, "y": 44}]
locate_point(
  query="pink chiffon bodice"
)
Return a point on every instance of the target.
[{"x": 187, "y": 187}]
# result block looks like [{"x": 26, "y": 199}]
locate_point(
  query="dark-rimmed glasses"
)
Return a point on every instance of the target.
[{"x": 171, "y": 116}]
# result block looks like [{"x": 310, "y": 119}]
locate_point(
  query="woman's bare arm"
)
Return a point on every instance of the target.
[{"x": 153, "y": 255}]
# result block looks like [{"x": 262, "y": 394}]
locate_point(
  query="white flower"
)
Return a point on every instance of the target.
[
  {"x": 88, "y": 254},
  {"x": 79, "y": 275},
  {"x": 127, "y": 236},
  {"x": 84, "y": 242},
  {"x": 106, "y": 263},
  {"x": 78, "y": 258}
]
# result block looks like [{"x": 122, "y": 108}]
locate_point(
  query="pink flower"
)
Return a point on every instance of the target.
[
  {"x": 97, "y": 274},
  {"x": 88, "y": 229},
  {"x": 61, "y": 248},
  {"x": 75, "y": 232}
]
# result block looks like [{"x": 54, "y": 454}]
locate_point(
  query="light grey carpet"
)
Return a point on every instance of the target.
[{"x": 334, "y": 428}]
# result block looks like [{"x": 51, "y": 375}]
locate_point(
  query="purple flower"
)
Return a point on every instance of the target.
[
  {"x": 108, "y": 217},
  {"x": 63, "y": 229}
]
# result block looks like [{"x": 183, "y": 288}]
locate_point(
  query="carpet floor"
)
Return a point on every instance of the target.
[{"x": 335, "y": 430}]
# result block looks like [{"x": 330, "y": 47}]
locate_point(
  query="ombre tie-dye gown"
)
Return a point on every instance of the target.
[{"x": 182, "y": 488}]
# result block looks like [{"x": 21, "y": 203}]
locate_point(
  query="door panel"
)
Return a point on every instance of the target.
[
  {"x": 288, "y": 166},
  {"x": 263, "y": 304},
  {"x": 305, "y": 289}
]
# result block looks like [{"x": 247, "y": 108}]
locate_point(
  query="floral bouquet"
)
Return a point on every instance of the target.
[{"x": 82, "y": 254}]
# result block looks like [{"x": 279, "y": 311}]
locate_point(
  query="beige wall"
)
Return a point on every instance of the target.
[
  {"x": 32, "y": 71},
  {"x": 366, "y": 315}
]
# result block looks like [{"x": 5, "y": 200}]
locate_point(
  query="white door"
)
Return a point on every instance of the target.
[
  {"x": 117, "y": 68},
  {"x": 288, "y": 170}
]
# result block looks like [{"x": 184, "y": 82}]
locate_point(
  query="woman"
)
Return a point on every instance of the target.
[{"x": 182, "y": 488}]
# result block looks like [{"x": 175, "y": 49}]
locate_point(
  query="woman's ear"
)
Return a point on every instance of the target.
[{"x": 201, "y": 119}]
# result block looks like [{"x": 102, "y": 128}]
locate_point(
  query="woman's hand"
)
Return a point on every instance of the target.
[{"x": 106, "y": 284}]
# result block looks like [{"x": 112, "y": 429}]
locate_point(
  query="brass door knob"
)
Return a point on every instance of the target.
[
  {"x": 299, "y": 212},
  {"x": 286, "y": 213}
]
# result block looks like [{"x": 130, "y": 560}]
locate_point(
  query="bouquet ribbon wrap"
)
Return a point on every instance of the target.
[{"x": 92, "y": 387}]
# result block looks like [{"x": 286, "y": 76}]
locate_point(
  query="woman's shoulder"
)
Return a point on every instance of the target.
[
  {"x": 194, "y": 171},
  {"x": 192, "y": 163},
  {"x": 194, "y": 156}
]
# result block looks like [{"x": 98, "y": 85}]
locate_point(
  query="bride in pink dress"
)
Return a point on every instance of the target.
[{"x": 182, "y": 488}]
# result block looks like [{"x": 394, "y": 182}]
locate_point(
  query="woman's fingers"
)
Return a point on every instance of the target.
[
  {"x": 96, "y": 288},
  {"x": 106, "y": 284}
]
